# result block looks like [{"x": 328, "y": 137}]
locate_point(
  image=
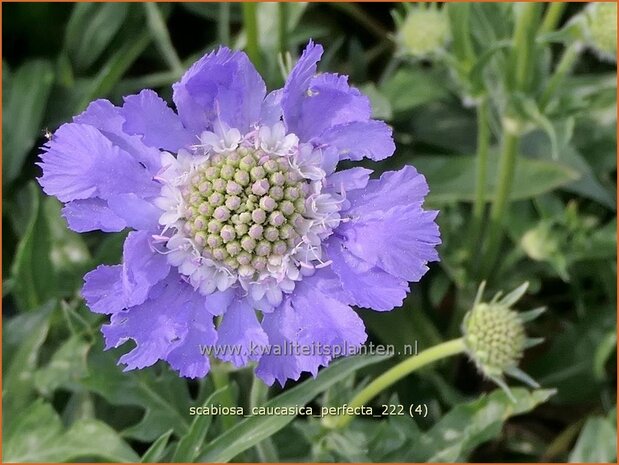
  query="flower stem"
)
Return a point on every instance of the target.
[
  {"x": 507, "y": 166},
  {"x": 250, "y": 21},
  {"x": 394, "y": 374},
  {"x": 552, "y": 17},
  {"x": 566, "y": 62},
  {"x": 223, "y": 23},
  {"x": 282, "y": 27},
  {"x": 220, "y": 378},
  {"x": 161, "y": 36},
  {"x": 266, "y": 450},
  {"x": 483, "y": 143},
  {"x": 527, "y": 19}
]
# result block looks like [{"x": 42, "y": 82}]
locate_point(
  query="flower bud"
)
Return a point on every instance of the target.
[
  {"x": 601, "y": 29},
  {"x": 424, "y": 31},
  {"x": 495, "y": 337}
]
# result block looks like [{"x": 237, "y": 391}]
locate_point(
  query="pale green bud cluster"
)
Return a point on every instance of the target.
[
  {"x": 245, "y": 209},
  {"x": 424, "y": 30},
  {"x": 495, "y": 338},
  {"x": 601, "y": 20}
]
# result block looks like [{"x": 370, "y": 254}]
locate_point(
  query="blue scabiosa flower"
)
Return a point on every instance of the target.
[{"x": 245, "y": 238}]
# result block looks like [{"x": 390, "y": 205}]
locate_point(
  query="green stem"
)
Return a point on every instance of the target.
[
  {"x": 250, "y": 21},
  {"x": 396, "y": 373},
  {"x": 220, "y": 378},
  {"x": 223, "y": 23},
  {"x": 355, "y": 12},
  {"x": 521, "y": 61},
  {"x": 265, "y": 449},
  {"x": 566, "y": 62},
  {"x": 507, "y": 166},
  {"x": 524, "y": 42},
  {"x": 282, "y": 29},
  {"x": 161, "y": 36},
  {"x": 552, "y": 17},
  {"x": 479, "y": 207}
]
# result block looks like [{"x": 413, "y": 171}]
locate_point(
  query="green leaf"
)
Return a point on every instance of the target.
[
  {"x": 66, "y": 367},
  {"x": 164, "y": 397},
  {"x": 157, "y": 450},
  {"x": 32, "y": 267},
  {"x": 410, "y": 88},
  {"x": 90, "y": 30},
  {"x": 38, "y": 436},
  {"x": 114, "y": 69},
  {"x": 23, "y": 337},
  {"x": 23, "y": 109},
  {"x": 381, "y": 107},
  {"x": 452, "y": 178},
  {"x": 191, "y": 443},
  {"x": 597, "y": 442},
  {"x": 68, "y": 252},
  {"x": 252, "y": 430},
  {"x": 466, "y": 426}
]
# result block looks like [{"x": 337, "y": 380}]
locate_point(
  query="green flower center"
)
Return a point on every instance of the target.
[
  {"x": 245, "y": 209},
  {"x": 495, "y": 338}
]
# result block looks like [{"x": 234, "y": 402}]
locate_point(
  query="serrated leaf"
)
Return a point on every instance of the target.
[
  {"x": 252, "y": 430},
  {"x": 23, "y": 108},
  {"x": 38, "y": 436}
]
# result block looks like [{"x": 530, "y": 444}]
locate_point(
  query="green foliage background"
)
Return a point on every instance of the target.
[{"x": 64, "y": 399}]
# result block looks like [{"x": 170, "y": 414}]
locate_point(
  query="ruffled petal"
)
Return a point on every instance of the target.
[
  {"x": 388, "y": 227},
  {"x": 108, "y": 119},
  {"x": 360, "y": 139},
  {"x": 328, "y": 102},
  {"x": 189, "y": 357},
  {"x": 80, "y": 163},
  {"x": 103, "y": 289},
  {"x": 348, "y": 180},
  {"x": 271, "y": 111},
  {"x": 241, "y": 337},
  {"x": 143, "y": 267},
  {"x": 313, "y": 328},
  {"x": 157, "y": 326},
  {"x": 137, "y": 213},
  {"x": 282, "y": 328},
  {"x": 148, "y": 115},
  {"x": 216, "y": 303},
  {"x": 92, "y": 214},
  {"x": 405, "y": 187},
  {"x": 400, "y": 241},
  {"x": 297, "y": 84},
  {"x": 365, "y": 285},
  {"x": 223, "y": 84},
  {"x": 111, "y": 289}
]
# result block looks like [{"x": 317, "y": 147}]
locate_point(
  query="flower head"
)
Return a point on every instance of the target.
[
  {"x": 239, "y": 216},
  {"x": 601, "y": 28},
  {"x": 495, "y": 337},
  {"x": 423, "y": 31}
]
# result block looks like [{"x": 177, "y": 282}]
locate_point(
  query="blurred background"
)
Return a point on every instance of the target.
[{"x": 441, "y": 76}]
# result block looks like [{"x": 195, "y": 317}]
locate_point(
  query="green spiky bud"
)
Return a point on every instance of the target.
[{"x": 494, "y": 336}]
